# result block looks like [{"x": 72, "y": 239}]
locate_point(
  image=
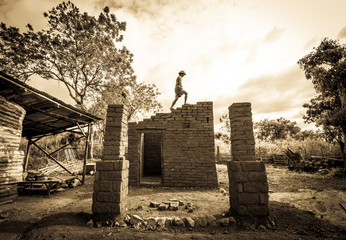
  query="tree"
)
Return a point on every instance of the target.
[
  {"x": 224, "y": 132},
  {"x": 272, "y": 130},
  {"x": 77, "y": 49},
  {"x": 80, "y": 51},
  {"x": 140, "y": 98},
  {"x": 326, "y": 67}
]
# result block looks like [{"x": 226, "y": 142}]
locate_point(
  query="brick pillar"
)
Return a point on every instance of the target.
[
  {"x": 111, "y": 179},
  {"x": 248, "y": 187}
]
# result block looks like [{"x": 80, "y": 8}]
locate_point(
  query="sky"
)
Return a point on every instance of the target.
[{"x": 232, "y": 50}]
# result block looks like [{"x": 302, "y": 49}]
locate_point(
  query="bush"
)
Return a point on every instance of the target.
[{"x": 306, "y": 148}]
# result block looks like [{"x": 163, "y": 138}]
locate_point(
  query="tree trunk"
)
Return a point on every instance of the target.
[
  {"x": 342, "y": 94},
  {"x": 343, "y": 153},
  {"x": 91, "y": 143}
]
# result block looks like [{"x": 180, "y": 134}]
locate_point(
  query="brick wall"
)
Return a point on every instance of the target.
[
  {"x": 187, "y": 146},
  {"x": 11, "y": 159},
  {"x": 248, "y": 185},
  {"x": 111, "y": 178}
]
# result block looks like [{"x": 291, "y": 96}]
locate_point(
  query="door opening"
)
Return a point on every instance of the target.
[{"x": 151, "y": 158}]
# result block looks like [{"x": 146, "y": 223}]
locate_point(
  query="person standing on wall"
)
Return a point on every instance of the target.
[{"x": 179, "y": 91}]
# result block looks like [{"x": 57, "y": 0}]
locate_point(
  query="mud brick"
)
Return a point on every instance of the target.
[
  {"x": 255, "y": 187},
  {"x": 263, "y": 198},
  {"x": 242, "y": 210},
  {"x": 118, "y": 186},
  {"x": 238, "y": 176},
  {"x": 114, "y": 197},
  {"x": 109, "y": 175},
  {"x": 101, "y": 207},
  {"x": 104, "y": 165},
  {"x": 104, "y": 186},
  {"x": 257, "y": 176},
  {"x": 120, "y": 164},
  {"x": 258, "y": 210},
  {"x": 248, "y": 198},
  {"x": 252, "y": 166}
]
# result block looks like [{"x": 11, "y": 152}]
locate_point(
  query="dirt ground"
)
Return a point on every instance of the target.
[{"x": 304, "y": 206}]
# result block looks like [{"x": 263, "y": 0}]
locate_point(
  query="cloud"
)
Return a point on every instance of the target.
[
  {"x": 272, "y": 95},
  {"x": 342, "y": 33},
  {"x": 308, "y": 46},
  {"x": 273, "y": 35}
]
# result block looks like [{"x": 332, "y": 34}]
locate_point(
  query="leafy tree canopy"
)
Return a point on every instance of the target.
[
  {"x": 326, "y": 67},
  {"x": 280, "y": 128},
  {"x": 77, "y": 49}
]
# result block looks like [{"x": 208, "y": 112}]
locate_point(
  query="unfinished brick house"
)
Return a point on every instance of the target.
[{"x": 174, "y": 149}]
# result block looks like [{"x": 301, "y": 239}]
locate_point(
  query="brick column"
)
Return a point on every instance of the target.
[
  {"x": 248, "y": 187},
  {"x": 111, "y": 179}
]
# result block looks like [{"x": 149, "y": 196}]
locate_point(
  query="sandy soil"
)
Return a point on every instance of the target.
[{"x": 304, "y": 206}]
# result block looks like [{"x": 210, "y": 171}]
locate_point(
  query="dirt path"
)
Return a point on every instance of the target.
[{"x": 297, "y": 210}]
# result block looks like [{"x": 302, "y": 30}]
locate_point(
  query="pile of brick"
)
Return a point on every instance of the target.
[
  {"x": 207, "y": 221},
  {"x": 172, "y": 205},
  {"x": 11, "y": 159}
]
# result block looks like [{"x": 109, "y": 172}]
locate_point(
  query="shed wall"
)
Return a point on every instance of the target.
[{"x": 11, "y": 159}]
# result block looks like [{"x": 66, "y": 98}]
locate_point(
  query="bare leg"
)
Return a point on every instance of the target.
[
  {"x": 175, "y": 100},
  {"x": 185, "y": 97}
]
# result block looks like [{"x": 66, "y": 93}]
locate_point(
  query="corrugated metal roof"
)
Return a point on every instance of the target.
[{"x": 45, "y": 114}]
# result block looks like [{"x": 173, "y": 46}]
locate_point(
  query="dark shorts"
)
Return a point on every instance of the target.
[{"x": 179, "y": 92}]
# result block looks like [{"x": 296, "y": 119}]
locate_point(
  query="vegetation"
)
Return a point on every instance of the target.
[
  {"x": 276, "y": 135},
  {"x": 83, "y": 52},
  {"x": 80, "y": 51},
  {"x": 280, "y": 128},
  {"x": 326, "y": 67}
]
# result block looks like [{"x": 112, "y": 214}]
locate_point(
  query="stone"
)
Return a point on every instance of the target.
[
  {"x": 211, "y": 220},
  {"x": 169, "y": 222},
  {"x": 135, "y": 219},
  {"x": 177, "y": 221},
  {"x": 223, "y": 222},
  {"x": 262, "y": 227},
  {"x": 154, "y": 204},
  {"x": 161, "y": 223},
  {"x": 181, "y": 203},
  {"x": 223, "y": 191},
  {"x": 189, "y": 222},
  {"x": 203, "y": 221},
  {"x": 127, "y": 219},
  {"x": 174, "y": 206},
  {"x": 163, "y": 207},
  {"x": 90, "y": 224},
  {"x": 151, "y": 223},
  {"x": 232, "y": 221}
]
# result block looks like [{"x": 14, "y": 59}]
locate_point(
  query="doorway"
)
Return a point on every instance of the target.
[{"x": 151, "y": 158}]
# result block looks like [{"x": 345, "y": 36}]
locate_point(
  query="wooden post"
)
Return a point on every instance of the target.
[
  {"x": 217, "y": 154},
  {"x": 27, "y": 156},
  {"x": 50, "y": 156},
  {"x": 86, "y": 153}
]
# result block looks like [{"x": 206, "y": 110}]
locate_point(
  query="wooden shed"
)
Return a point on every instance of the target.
[{"x": 33, "y": 114}]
